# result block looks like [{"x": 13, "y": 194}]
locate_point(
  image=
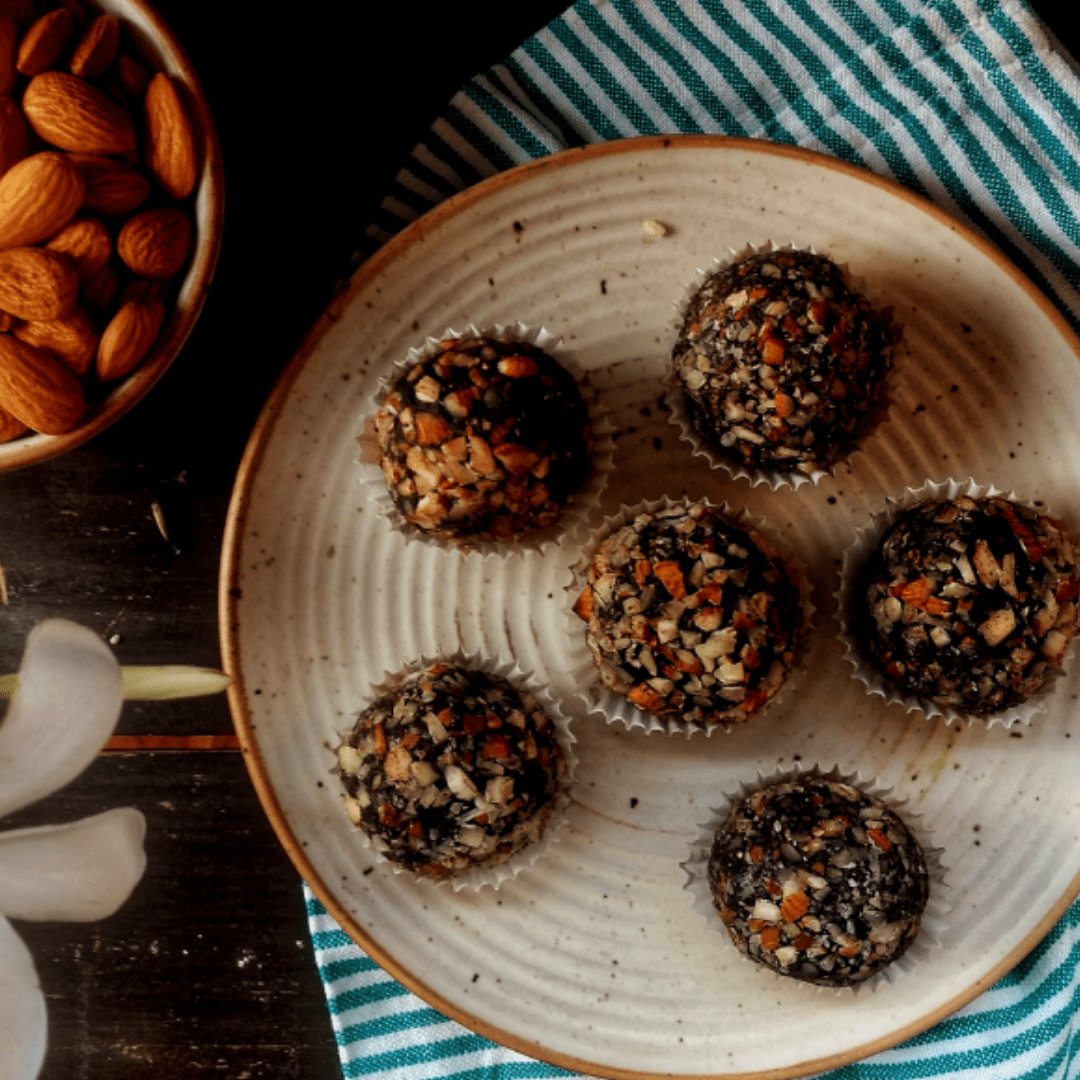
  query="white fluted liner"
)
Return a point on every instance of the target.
[
  {"x": 479, "y": 877},
  {"x": 616, "y": 708},
  {"x": 867, "y": 538},
  {"x": 932, "y": 925}
]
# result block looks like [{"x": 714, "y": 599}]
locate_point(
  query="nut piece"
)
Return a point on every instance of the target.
[
  {"x": 70, "y": 113},
  {"x": 86, "y": 242},
  {"x": 36, "y": 283},
  {"x": 155, "y": 243},
  {"x": 129, "y": 337},
  {"x": 13, "y": 136},
  {"x": 44, "y": 41},
  {"x": 171, "y": 152},
  {"x": 113, "y": 188},
  {"x": 37, "y": 389},
  {"x": 38, "y": 197},
  {"x": 72, "y": 339},
  {"x": 97, "y": 47}
]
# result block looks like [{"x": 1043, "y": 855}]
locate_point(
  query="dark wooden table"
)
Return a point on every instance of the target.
[{"x": 207, "y": 971}]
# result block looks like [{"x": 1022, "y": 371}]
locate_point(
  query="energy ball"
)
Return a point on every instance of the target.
[
  {"x": 781, "y": 361},
  {"x": 691, "y": 616},
  {"x": 818, "y": 881},
  {"x": 484, "y": 440},
  {"x": 453, "y": 769},
  {"x": 970, "y": 603}
]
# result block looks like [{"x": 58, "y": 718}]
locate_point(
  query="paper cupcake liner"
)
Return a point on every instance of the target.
[
  {"x": 614, "y": 707},
  {"x": 579, "y": 508},
  {"x": 932, "y": 924},
  {"x": 867, "y": 538},
  {"x": 679, "y": 416},
  {"x": 493, "y": 877}
]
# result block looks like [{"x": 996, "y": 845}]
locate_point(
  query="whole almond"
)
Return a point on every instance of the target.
[
  {"x": 99, "y": 290},
  {"x": 134, "y": 77},
  {"x": 154, "y": 243},
  {"x": 171, "y": 152},
  {"x": 97, "y": 47},
  {"x": 37, "y": 389},
  {"x": 13, "y": 136},
  {"x": 129, "y": 337},
  {"x": 38, "y": 196},
  {"x": 86, "y": 242},
  {"x": 10, "y": 428},
  {"x": 37, "y": 284},
  {"x": 71, "y": 113},
  {"x": 9, "y": 44},
  {"x": 113, "y": 188},
  {"x": 73, "y": 339},
  {"x": 44, "y": 41}
]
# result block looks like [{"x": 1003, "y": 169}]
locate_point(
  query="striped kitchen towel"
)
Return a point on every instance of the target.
[{"x": 964, "y": 101}]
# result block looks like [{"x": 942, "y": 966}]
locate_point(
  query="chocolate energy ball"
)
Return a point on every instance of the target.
[
  {"x": 970, "y": 602},
  {"x": 485, "y": 440},
  {"x": 781, "y": 362},
  {"x": 453, "y": 769},
  {"x": 818, "y": 881},
  {"x": 690, "y": 616}
]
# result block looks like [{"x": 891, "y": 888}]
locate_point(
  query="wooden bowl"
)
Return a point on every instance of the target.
[{"x": 160, "y": 51}]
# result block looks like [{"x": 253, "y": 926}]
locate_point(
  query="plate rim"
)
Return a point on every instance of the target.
[{"x": 229, "y": 588}]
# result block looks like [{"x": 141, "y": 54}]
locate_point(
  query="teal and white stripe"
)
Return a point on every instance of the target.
[
  {"x": 1025, "y": 1028},
  {"x": 386, "y": 1033},
  {"x": 963, "y": 101},
  {"x": 960, "y": 100}
]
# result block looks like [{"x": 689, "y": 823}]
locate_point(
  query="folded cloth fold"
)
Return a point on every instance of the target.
[{"x": 964, "y": 101}]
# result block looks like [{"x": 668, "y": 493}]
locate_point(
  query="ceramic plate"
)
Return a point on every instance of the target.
[{"x": 593, "y": 958}]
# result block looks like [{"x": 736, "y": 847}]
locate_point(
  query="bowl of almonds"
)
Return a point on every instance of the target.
[{"x": 111, "y": 203}]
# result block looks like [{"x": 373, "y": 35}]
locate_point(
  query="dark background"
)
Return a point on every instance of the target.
[{"x": 208, "y": 971}]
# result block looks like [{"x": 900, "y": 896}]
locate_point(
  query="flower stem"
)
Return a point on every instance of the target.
[{"x": 153, "y": 682}]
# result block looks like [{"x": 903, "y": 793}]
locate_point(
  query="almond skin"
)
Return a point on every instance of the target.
[
  {"x": 129, "y": 337},
  {"x": 113, "y": 188},
  {"x": 10, "y": 428},
  {"x": 38, "y": 197},
  {"x": 37, "y": 284},
  {"x": 70, "y": 113},
  {"x": 155, "y": 243},
  {"x": 44, "y": 41},
  {"x": 73, "y": 339},
  {"x": 97, "y": 47},
  {"x": 14, "y": 142},
  {"x": 86, "y": 242},
  {"x": 37, "y": 389},
  {"x": 134, "y": 77},
  {"x": 171, "y": 153}
]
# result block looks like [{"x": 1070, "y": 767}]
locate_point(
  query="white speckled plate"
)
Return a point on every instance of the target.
[{"x": 592, "y": 958}]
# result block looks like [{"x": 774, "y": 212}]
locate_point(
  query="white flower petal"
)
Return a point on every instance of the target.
[
  {"x": 77, "y": 872},
  {"x": 62, "y": 714},
  {"x": 23, "y": 1023}
]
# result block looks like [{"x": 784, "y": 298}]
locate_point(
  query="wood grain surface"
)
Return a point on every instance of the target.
[{"x": 207, "y": 971}]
